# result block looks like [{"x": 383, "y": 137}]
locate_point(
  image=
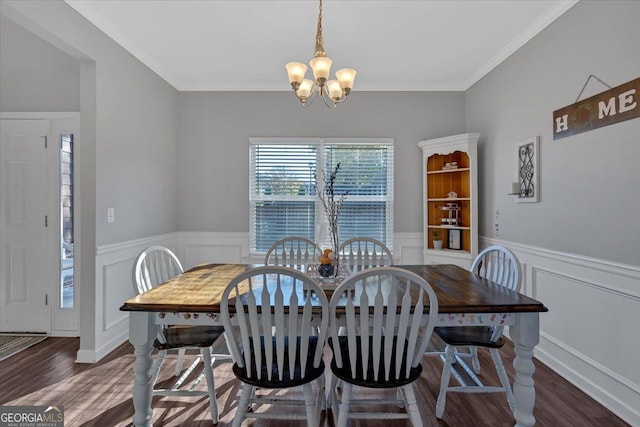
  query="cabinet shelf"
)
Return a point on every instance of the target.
[
  {"x": 449, "y": 253},
  {"x": 448, "y": 170},
  {"x": 450, "y": 227},
  {"x": 448, "y": 199}
]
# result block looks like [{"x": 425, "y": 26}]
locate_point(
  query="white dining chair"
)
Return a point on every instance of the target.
[
  {"x": 154, "y": 266},
  {"x": 360, "y": 253},
  {"x": 500, "y": 265},
  {"x": 400, "y": 310},
  {"x": 293, "y": 251},
  {"x": 267, "y": 313}
]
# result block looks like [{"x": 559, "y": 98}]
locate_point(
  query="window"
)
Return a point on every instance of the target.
[
  {"x": 66, "y": 217},
  {"x": 282, "y": 192}
]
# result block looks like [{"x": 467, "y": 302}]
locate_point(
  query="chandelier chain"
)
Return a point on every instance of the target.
[{"x": 319, "y": 40}]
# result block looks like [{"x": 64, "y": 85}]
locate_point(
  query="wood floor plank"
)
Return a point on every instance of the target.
[{"x": 100, "y": 394}]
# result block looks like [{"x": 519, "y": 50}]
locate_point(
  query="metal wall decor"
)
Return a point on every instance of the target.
[{"x": 526, "y": 187}]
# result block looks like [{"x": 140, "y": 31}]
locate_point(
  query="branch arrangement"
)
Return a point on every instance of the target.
[{"x": 332, "y": 204}]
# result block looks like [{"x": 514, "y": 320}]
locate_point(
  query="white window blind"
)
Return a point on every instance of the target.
[{"x": 282, "y": 192}]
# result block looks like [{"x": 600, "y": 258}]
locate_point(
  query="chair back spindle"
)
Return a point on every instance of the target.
[
  {"x": 294, "y": 252},
  {"x": 397, "y": 336},
  {"x": 364, "y": 252},
  {"x": 155, "y": 265}
]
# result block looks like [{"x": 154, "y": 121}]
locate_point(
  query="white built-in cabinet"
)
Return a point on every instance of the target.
[{"x": 450, "y": 199}]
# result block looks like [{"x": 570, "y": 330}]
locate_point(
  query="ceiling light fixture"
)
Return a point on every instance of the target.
[{"x": 332, "y": 92}]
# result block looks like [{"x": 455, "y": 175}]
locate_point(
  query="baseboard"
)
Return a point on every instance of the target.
[{"x": 93, "y": 356}]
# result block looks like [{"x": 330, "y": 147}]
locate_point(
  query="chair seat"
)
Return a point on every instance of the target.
[
  {"x": 345, "y": 373},
  {"x": 189, "y": 336},
  {"x": 311, "y": 373},
  {"x": 468, "y": 335}
]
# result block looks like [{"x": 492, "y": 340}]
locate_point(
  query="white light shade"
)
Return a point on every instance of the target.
[
  {"x": 321, "y": 66},
  {"x": 305, "y": 88},
  {"x": 346, "y": 76},
  {"x": 296, "y": 71},
  {"x": 335, "y": 91}
]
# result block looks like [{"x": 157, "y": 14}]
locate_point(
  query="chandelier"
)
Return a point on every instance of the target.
[{"x": 332, "y": 92}]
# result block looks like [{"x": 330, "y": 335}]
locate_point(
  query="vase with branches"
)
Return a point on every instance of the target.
[{"x": 332, "y": 204}]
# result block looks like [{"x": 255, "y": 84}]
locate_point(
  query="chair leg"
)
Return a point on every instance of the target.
[
  {"x": 155, "y": 369},
  {"x": 310, "y": 404},
  {"x": 345, "y": 404},
  {"x": 321, "y": 398},
  {"x": 333, "y": 402},
  {"x": 412, "y": 405},
  {"x": 450, "y": 351},
  {"x": 474, "y": 359},
  {"x": 332, "y": 391},
  {"x": 401, "y": 397},
  {"x": 504, "y": 379},
  {"x": 243, "y": 404},
  {"x": 181, "y": 353},
  {"x": 322, "y": 392},
  {"x": 211, "y": 384}
]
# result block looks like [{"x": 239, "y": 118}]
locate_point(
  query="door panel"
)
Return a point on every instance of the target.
[{"x": 25, "y": 263}]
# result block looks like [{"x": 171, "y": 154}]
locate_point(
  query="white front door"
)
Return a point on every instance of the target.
[{"x": 25, "y": 261}]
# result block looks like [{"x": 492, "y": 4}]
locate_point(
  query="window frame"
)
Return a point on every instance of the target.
[{"x": 320, "y": 144}]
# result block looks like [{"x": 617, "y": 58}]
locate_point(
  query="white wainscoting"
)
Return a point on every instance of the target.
[
  {"x": 589, "y": 336},
  {"x": 114, "y": 285},
  {"x": 203, "y": 248},
  {"x": 408, "y": 249},
  {"x": 114, "y": 280},
  {"x": 590, "y": 333}
]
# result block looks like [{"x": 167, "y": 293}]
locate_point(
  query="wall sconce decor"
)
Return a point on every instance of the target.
[{"x": 526, "y": 186}]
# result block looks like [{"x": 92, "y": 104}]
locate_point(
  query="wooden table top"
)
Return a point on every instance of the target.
[{"x": 199, "y": 290}]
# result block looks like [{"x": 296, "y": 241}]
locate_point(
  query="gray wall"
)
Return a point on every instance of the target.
[
  {"x": 590, "y": 192},
  {"x": 215, "y": 128},
  {"x": 34, "y": 75},
  {"x": 127, "y": 147},
  {"x": 134, "y": 122},
  {"x": 142, "y": 125}
]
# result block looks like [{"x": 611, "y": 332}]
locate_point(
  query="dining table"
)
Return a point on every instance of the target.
[{"x": 464, "y": 299}]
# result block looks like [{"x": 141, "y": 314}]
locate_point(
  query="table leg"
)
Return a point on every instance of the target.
[
  {"x": 525, "y": 335},
  {"x": 142, "y": 332}
]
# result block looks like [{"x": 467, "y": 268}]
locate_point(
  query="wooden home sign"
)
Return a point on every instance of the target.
[{"x": 612, "y": 106}]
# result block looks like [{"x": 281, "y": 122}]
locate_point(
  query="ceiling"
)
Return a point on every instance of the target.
[{"x": 395, "y": 45}]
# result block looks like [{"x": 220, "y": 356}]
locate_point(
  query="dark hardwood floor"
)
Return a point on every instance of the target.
[{"x": 100, "y": 394}]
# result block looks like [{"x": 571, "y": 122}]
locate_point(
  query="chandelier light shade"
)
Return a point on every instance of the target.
[{"x": 332, "y": 92}]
